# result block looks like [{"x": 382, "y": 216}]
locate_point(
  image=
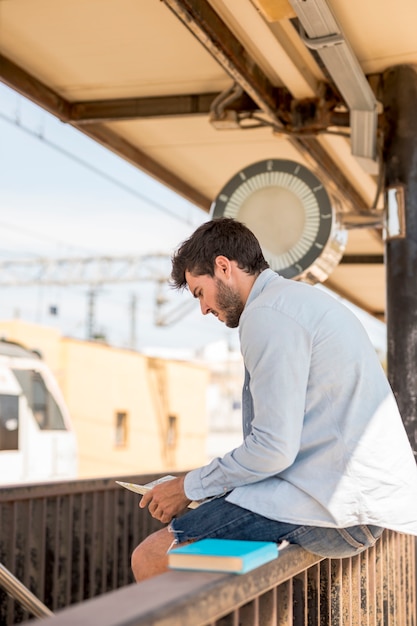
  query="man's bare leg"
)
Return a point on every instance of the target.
[{"x": 150, "y": 557}]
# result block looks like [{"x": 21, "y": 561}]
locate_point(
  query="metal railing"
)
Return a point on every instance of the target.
[
  {"x": 70, "y": 544},
  {"x": 69, "y": 541},
  {"x": 375, "y": 588}
]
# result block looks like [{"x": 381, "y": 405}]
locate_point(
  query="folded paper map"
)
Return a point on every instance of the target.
[{"x": 142, "y": 489}]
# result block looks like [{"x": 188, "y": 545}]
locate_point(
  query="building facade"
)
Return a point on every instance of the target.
[{"x": 131, "y": 413}]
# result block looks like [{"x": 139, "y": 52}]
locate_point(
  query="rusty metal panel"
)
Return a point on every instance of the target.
[
  {"x": 336, "y": 592},
  {"x": 379, "y": 583},
  {"x": 390, "y": 580},
  {"x": 347, "y": 596},
  {"x": 299, "y": 599},
  {"x": 325, "y": 593},
  {"x": 232, "y": 619},
  {"x": 268, "y": 609},
  {"x": 284, "y": 603},
  {"x": 408, "y": 577},
  {"x": 313, "y": 595},
  {"x": 249, "y": 614}
]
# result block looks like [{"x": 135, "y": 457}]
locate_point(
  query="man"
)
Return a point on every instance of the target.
[{"x": 325, "y": 461}]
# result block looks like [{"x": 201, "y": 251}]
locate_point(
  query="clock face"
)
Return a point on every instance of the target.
[{"x": 286, "y": 207}]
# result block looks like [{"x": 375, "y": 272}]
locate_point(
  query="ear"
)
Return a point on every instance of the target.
[{"x": 222, "y": 266}]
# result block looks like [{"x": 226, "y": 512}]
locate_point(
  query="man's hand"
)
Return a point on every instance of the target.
[{"x": 166, "y": 500}]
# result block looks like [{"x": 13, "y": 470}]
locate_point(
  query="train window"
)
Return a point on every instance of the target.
[
  {"x": 44, "y": 408},
  {"x": 9, "y": 422},
  {"x": 121, "y": 430}
]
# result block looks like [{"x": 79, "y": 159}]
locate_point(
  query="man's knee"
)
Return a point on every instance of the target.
[
  {"x": 136, "y": 561},
  {"x": 149, "y": 558}
]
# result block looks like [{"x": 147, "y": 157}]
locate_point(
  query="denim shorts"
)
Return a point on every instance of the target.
[{"x": 218, "y": 518}]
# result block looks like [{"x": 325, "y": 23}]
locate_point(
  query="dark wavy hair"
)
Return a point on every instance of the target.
[{"x": 219, "y": 237}]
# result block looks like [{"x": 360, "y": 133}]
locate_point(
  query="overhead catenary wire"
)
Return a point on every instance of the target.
[
  {"x": 32, "y": 233},
  {"x": 40, "y": 136}
]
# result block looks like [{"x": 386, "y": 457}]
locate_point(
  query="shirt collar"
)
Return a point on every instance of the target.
[{"x": 260, "y": 283}]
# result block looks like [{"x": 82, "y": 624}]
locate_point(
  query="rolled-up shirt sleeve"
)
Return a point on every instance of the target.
[{"x": 277, "y": 353}]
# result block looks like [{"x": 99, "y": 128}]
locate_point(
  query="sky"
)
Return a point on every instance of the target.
[{"x": 62, "y": 195}]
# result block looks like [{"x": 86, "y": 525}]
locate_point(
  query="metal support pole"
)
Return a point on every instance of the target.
[
  {"x": 91, "y": 312},
  {"x": 18, "y": 591},
  {"x": 400, "y": 156},
  {"x": 133, "y": 313}
]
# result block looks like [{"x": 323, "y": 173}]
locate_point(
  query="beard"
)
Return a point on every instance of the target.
[{"x": 230, "y": 303}]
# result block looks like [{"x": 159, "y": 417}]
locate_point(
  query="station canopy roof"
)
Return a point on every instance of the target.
[{"x": 195, "y": 91}]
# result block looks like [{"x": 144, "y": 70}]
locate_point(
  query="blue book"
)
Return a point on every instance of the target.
[{"x": 222, "y": 555}]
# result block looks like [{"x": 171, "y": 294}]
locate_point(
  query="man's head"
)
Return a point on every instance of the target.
[
  {"x": 220, "y": 237},
  {"x": 219, "y": 263}
]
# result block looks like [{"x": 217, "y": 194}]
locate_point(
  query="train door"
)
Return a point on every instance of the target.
[
  {"x": 36, "y": 439},
  {"x": 11, "y": 454}
]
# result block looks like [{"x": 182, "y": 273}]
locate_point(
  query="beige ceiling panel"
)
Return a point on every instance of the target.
[
  {"x": 203, "y": 156},
  {"x": 364, "y": 241},
  {"x": 381, "y": 34},
  {"x": 339, "y": 149},
  {"x": 362, "y": 284},
  {"x": 92, "y": 49},
  {"x": 194, "y": 130}
]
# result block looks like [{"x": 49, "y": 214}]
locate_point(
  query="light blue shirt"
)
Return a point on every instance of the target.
[{"x": 324, "y": 444}]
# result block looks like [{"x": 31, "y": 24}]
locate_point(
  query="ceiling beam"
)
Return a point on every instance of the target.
[
  {"x": 219, "y": 41},
  {"x": 161, "y": 106},
  {"x": 204, "y": 23},
  {"x": 301, "y": 115},
  {"x": 30, "y": 87},
  {"x": 362, "y": 259},
  {"x": 18, "y": 79}
]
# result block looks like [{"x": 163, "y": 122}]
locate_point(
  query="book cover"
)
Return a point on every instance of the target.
[
  {"x": 142, "y": 489},
  {"x": 222, "y": 555}
]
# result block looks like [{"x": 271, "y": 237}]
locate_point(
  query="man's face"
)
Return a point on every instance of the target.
[{"x": 216, "y": 297}]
